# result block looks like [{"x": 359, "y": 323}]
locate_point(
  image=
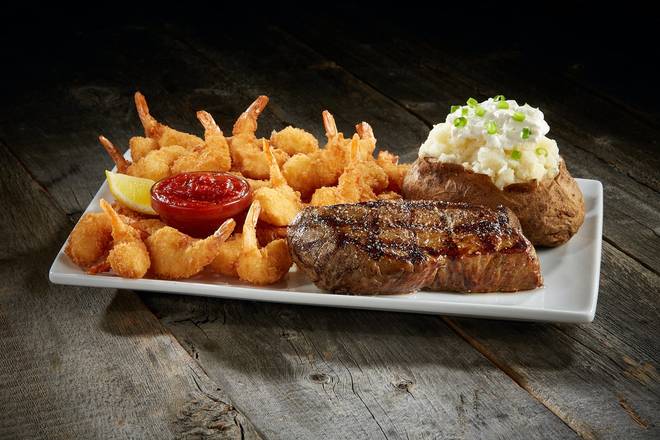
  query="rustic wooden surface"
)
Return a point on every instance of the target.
[{"x": 81, "y": 363}]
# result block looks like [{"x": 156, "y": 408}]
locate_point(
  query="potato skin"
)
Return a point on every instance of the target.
[{"x": 550, "y": 211}]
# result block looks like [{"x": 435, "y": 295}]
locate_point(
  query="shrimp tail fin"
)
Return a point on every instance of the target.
[
  {"x": 247, "y": 121},
  {"x": 207, "y": 121},
  {"x": 355, "y": 149},
  {"x": 250, "y": 225},
  {"x": 329, "y": 124},
  {"x": 276, "y": 177},
  {"x": 225, "y": 230},
  {"x": 117, "y": 223},
  {"x": 148, "y": 122},
  {"x": 115, "y": 154},
  {"x": 365, "y": 131}
]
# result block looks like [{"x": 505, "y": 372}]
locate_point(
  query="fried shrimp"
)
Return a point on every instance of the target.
[
  {"x": 355, "y": 183},
  {"x": 307, "y": 172},
  {"x": 176, "y": 255},
  {"x": 212, "y": 155},
  {"x": 164, "y": 135},
  {"x": 395, "y": 172},
  {"x": 367, "y": 139},
  {"x": 294, "y": 140},
  {"x": 90, "y": 241},
  {"x": 155, "y": 165},
  {"x": 147, "y": 226},
  {"x": 265, "y": 265},
  {"x": 230, "y": 251},
  {"x": 279, "y": 202},
  {"x": 141, "y": 146},
  {"x": 254, "y": 183},
  {"x": 246, "y": 152},
  {"x": 129, "y": 257}
]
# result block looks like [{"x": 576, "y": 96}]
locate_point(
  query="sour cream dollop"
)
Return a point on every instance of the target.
[{"x": 496, "y": 137}]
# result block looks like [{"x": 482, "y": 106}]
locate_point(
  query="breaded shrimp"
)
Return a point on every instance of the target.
[
  {"x": 355, "y": 183},
  {"x": 90, "y": 241},
  {"x": 155, "y": 165},
  {"x": 247, "y": 155},
  {"x": 176, "y": 255},
  {"x": 164, "y": 135},
  {"x": 279, "y": 203},
  {"x": 141, "y": 146},
  {"x": 395, "y": 172},
  {"x": 367, "y": 139},
  {"x": 230, "y": 251},
  {"x": 307, "y": 172},
  {"x": 129, "y": 257},
  {"x": 254, "y": 183},
  {"x": 212, "y": 155},
  {"x": 294, "y": 140},
  {"x": 265, "y": 265},
  {"x": 373, "y": 174},
  {"x": 147, "y": 226}
]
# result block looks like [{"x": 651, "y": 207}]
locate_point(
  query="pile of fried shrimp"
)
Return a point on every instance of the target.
[{"x": 286, "y": 173}]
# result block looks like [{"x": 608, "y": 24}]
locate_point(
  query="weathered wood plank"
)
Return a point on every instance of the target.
[
  {"x": 600, "y": 378},
  {"x": 427, "y": 80},
  {"x": 87, "y": 363},
  {"x": 304, "y": 372}
]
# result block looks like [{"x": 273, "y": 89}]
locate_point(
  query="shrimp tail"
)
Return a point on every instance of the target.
[
  {"x": 276, "y": 177},
  {"x": 247, "y": 122},
  {"x": 103, "y": 266},
  {"x": 365, "y": 131},
  {"x": 225, "y": 230},
  {"x": 117, "y": 223},
  {"x": 355, "y": 149},
  {"x": 207, "y": 121},
  {"x": 329, "y": 124},
  {"x": 148, "y": 122},
  {"x": 250, "y": 227},
  {"x": 115, "y": 154}
]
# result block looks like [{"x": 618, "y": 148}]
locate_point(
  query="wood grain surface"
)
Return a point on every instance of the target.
[{"x": 98, "y": 363}]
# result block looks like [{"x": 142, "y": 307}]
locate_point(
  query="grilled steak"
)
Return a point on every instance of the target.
[{"x": 399, "y": 246}]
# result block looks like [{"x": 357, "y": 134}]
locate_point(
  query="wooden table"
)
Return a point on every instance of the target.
[{"x": 83, "y": 363}]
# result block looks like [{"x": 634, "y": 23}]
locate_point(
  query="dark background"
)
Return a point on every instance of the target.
[{"x": 612, "y": 47}]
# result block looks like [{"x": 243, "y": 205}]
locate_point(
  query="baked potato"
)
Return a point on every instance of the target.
[{"x": 550, "y": 211}]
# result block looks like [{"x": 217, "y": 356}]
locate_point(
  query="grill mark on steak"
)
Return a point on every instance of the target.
[{"x": 400, "y": 246}]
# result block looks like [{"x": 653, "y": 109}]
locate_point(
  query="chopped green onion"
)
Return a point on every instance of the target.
[
  {"x": 502, "y": 104},
  {"x": 460, "y": 122},
  {"x": 516, "y": 155},
  {"x": 464, "y": 111},
  {"x": 524, "y": 134},
  {"x": 540, "y": 151},
  {"x": 454, "y": 108},
  {"x": 519, "y": 116},
  {"x": 491, "y": 127},
  {"x": 479, "y": 111},
  {"x": 499, "y": 98},
  {"x": 472, "y": 102}
]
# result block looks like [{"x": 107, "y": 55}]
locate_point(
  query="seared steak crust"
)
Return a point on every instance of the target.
[{"x": 399, "y": 246}]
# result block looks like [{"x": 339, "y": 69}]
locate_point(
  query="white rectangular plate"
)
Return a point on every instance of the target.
[{"x": 571, "y": 273}]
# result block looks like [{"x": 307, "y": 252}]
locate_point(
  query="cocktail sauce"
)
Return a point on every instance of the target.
[{"x": 197, "y": 203}]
